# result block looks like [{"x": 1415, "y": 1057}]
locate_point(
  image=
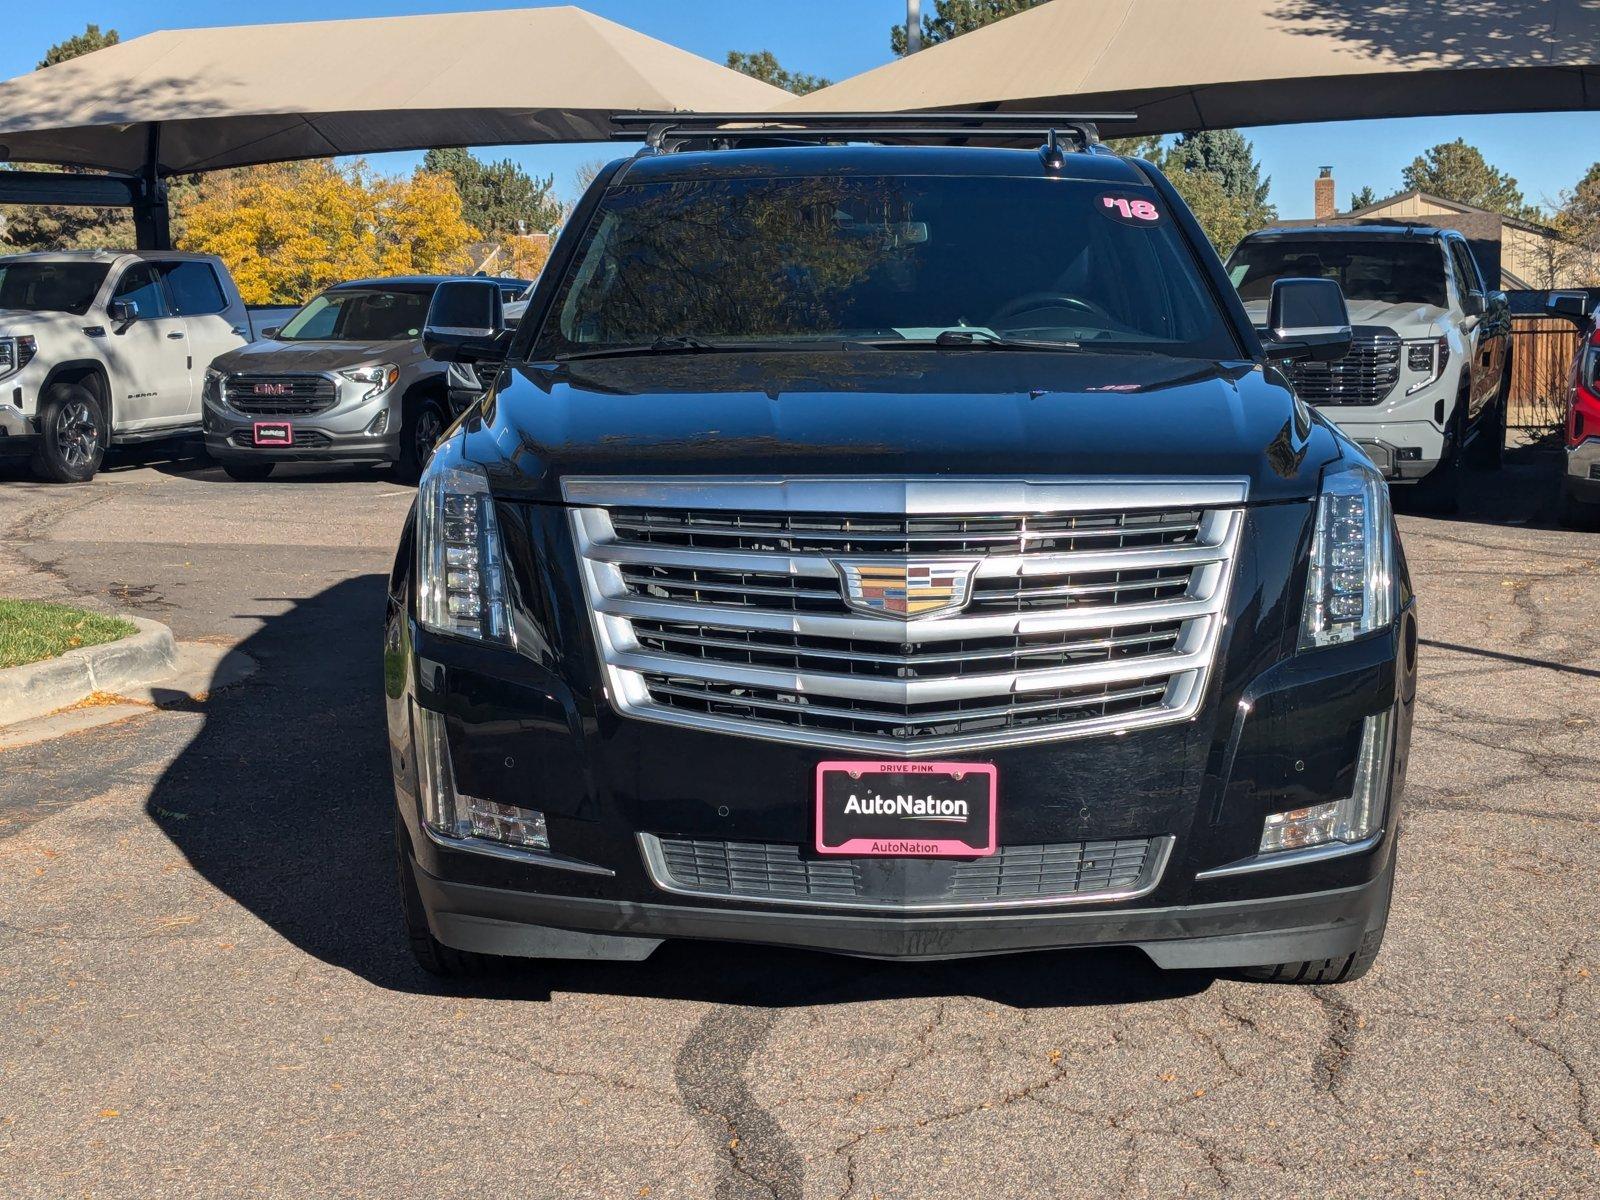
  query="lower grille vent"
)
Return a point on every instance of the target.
[{"x": 1063, "y": 872}]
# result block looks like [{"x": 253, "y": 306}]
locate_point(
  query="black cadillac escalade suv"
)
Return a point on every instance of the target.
[{"x": 904, "y": 551}]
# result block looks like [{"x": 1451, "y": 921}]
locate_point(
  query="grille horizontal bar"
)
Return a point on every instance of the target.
[
  {"x": 1365, "y": 375},
  {"x": 761, "y": 634},
  {"x": 1014, "y": 876},
  {"x": 283, "y": 395}
]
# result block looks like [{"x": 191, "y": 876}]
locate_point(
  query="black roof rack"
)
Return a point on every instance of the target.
[{"x": 666, "y": 130}]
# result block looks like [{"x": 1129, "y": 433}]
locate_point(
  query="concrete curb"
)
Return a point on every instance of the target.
[{"x": 34, "y": 689}]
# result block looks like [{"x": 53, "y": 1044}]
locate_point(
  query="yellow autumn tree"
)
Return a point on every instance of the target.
[{"x": 289, "y": 230}]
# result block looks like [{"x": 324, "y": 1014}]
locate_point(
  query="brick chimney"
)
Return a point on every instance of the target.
[{"x": 1325, "y": 206}]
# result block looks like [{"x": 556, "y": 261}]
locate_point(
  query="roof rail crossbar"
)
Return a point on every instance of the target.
[{"x": 664, "y": 130}]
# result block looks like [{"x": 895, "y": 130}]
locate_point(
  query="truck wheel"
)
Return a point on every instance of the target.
[
  {"x": 432, "y": 955},
  {"x": 420, "y": 432},
  {"x": 247, "y": 472},
  {"x": 72, "y": 435},
  {"x": 1489, "y": 450},
  {"x": 1577, "y": 514}
]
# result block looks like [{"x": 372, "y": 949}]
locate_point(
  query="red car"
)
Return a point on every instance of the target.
[{"x": 1580, "y": 484}]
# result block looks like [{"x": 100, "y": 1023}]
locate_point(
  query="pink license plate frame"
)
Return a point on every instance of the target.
[
  {"x": 286, "y": 428},
  {"x": 911, "y": 847}
]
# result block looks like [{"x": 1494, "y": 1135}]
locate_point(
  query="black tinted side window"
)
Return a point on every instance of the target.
[
  {"x": 141, "y": 284},
  {"x": 1467, "y": 278},
  {"x": 194, "y": 288}
]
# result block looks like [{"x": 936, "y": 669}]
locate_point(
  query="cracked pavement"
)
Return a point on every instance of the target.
[{"x": 204, "y": 990}]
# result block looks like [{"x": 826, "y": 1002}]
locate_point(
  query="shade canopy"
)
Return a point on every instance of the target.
[
  {"x": 1206, "y": 64},
  {"x": 264, "y": 93}
]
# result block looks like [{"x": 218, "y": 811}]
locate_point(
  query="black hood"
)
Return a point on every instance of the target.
[{"x": 923, "y": 412}]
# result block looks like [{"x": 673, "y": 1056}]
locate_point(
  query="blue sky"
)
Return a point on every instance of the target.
[{"x": 1545, "y": 152}]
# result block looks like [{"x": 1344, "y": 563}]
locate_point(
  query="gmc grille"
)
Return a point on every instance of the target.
[
  {"x": 1366, "y": 375},
  {"x": 722, "y": 604},
  {"x": 303, "y": 394}
]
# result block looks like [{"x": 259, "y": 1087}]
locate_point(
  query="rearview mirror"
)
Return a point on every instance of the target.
[
  {"x": 1307, "y": 320},
  {"x": 466, "y": 323},
  {"x": 1574, "y": 306},
  {"x": 123, "y": 311},
  {"x": 270, "y": 332},
  {"x": 1474, "y": 304}
]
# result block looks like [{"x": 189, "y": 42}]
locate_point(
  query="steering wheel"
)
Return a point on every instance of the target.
[{"x": 1036, "y": 300}]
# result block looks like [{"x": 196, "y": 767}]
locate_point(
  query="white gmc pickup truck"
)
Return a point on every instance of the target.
[{"x": 101, "y": 348}]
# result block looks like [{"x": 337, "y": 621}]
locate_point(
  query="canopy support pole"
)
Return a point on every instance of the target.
[{"x": 152, "y": 221}]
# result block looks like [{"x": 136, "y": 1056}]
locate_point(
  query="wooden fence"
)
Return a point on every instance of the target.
[{"x": 1541, "y": 361}]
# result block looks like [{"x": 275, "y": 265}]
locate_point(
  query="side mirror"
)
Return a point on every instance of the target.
[
  {"x": 1574, "y": 306},
  {"x": 270, "y": 332},
  {"x": 1474, "y": 304},
  {"x": 123, "y": 312},
  {"x": 1307, "y": 320},
  {"x": 466, "y": 323}
]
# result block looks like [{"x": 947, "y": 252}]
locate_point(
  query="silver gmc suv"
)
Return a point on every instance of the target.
[{"x": 344, "y": 380}]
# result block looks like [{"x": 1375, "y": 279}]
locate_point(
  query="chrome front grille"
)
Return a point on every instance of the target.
[
  {"x": 280, "y": 395},
  {"x": 1014, "y": 876},
  {"x": 720, "y": 604},
  {"x": 1366, "y": 375}
]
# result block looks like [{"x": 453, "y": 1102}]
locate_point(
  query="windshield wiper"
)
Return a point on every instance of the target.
[
  {"x": 679, "y": 344},
  {"x": 967, "y": 339}
]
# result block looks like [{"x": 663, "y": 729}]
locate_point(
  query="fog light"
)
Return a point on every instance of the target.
[
  {"x": 1349, "y": 820},
  {"x": 507, "y": 823},
  {"x": 379, "y": 425},
  {"x": 1300, "y": 827},
  {"x": 1409, "y": 453},
  {"x": 455, "y": 815}
]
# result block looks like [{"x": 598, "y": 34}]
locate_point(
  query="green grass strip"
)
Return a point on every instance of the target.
[{"x": 30, "y": 631}]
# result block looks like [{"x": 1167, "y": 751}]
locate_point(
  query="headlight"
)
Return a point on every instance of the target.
[
  {"x": 1429, "y": 355},
  {"x": 16, "y": 353},
  {"x": 1350, "y": 587},
  {"x": 211, "y": 388},
  {"x": 461, "y": 582},
  {"x": 375, "y": 380}
]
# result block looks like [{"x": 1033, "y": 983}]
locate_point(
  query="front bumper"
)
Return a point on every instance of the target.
[
  {"x": 1583, "y": 471},
  {"x": 338, "y": 434},
  {"x": 1238, "y": 933},
  {"x": 17, "y": 433}
]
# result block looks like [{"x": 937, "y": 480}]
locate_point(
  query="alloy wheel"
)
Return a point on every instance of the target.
[{"x": 77, "y": 433}]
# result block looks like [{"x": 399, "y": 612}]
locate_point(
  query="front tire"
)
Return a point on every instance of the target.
[
  {"x": 248, "y": 472},
  {"x": 1489, "y": 450},
  {"x": 72, "y": 435},
  {"x": 1324, "y": 970},
  {"x": 424, "y": 424},
  {"x": 432, "y": 955},
  {"x": 1578, "y": 514},
  {"x": 1439, "y": 491}
]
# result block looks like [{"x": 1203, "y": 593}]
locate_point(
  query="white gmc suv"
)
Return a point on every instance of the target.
[
  {"x": 1424, "y": 385},
  {"x": 101, "y": 348}
]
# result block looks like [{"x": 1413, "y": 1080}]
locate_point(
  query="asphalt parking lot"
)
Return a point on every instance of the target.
[{"x": 205, "y": 989}]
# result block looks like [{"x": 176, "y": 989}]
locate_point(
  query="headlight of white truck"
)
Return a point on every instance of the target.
[
  {"x": 1350, "y": 586},
  {"x": 461, "y": 579},
  {"x": 16, "y": 352},
  {"x": 375, "y": 380},
  {"x": 1428, "y": 357}
]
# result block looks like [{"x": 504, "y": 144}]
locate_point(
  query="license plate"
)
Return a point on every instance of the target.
[
  {"x": 901, "y": 809},
  {"x": 274, "y": 433}
]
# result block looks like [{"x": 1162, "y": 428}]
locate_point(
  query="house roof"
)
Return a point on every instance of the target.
[{"x": 1377, "y": 208}]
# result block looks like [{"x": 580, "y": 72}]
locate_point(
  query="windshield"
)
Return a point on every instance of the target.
[
  {"x": 360, "y": 315},
  {"x": 1391, "y": 270},
  {"x": 68, "y": 287},
  {"x": 809, "y": 259}
]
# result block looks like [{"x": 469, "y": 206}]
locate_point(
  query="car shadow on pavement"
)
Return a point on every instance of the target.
[{"x": 282, "y": 800}]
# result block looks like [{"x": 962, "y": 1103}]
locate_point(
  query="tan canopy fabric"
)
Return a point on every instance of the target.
[
  {"x": 264, "y": 93},
  {"x": 1202, "y": 64}
]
